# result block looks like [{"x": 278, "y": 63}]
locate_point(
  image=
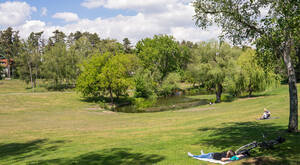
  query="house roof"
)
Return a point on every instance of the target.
[{"x": 3, "y": 62}]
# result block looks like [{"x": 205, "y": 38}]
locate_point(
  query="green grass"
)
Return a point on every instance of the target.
[{"x": 60, "y": 128}]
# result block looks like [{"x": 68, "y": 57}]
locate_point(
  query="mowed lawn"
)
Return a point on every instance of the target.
[{"x": 61, "y": 128}]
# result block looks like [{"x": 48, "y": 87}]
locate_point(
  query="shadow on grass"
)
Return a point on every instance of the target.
[
  {"x": 20, "y": 151},
  {"x": 235, "y": 135},
  {"x": 60, "y": 87},
  {"x": 230, "y": 98},
  {"x": 256, "y": 95},
  {"x": 94, "y": 99},
  {"x": 113, "y": 156},
  {"x": 269, "y": 161}
]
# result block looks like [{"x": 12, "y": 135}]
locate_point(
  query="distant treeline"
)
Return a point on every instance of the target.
[{"x": 154, "y": 67}]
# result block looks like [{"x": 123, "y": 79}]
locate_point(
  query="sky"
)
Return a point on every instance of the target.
[{"x": 116, "y": 19}]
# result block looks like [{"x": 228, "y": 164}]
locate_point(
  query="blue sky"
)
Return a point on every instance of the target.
[
  {"x": 134, "y": 19},
  {"x": 74, "y": 6}
]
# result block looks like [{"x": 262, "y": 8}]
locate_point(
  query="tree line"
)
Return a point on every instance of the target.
[{"x": 153, "y": 68}]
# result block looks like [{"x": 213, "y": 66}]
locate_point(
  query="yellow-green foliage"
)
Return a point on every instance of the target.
[
  {"x": 252, "y": 77},
  {"x": 116, "y": 75},
  {"x": 105, "y": 73}
]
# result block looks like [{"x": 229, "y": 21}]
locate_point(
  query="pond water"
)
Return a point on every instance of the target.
[{"x": 163, "y": 104}]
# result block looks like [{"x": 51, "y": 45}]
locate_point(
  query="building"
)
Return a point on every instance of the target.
[{"x": 4, "y": 63}]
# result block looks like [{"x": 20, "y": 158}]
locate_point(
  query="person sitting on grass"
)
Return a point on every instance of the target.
[
  {"x": 223, "y": 156},
  {"x": 266, "y": 114}
]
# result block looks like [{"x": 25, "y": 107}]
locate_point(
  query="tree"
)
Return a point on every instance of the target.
[
  {"x": 88, "y": 82},
  {"x": 159, "y": 55},
  {"x": 10, "y": 45},
  {"x": 170, "y": 84},
  {"x": 252, "y": 77},
  {"x": 94, "y": 39},
  {"x": 276, "y": 30},
  {"x": 127, "y": 45},
  {"x": 116, "y": 75},
  {"x": 144, "y": 84},
  {"x": 110, "y": 45},
  {"x": 82, "y": 47},
  {"x": 214, "y": 65},
  {"x": 107, "y": 74},
  {"x": 59, "y": 36},
  {"x": 29, "y": 61},
  {"x": 1, "y": 71},
  {"x": 55, "y": 63}
]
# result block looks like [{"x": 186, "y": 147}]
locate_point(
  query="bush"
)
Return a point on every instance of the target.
[
  {"x": 141, "y": 103},
  {"x": 170, "y": 84},
  {"x": 1, "y": 72},
  {"x": 144, "y": 86},
  {"x": 103, "y": 105},
  {"x": 193, "y": 91}
]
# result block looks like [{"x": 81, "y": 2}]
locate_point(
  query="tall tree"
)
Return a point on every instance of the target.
[
  {"x": 59, "y": 36},
  {"x": 94, "y": 39},
  {"x": 10, "y": 44},
  {"x": 107, "y": 74},
  {"x": 55, "y": 64},
  {"x": 214, "y": 63},
  {"x": 159, "y": 55},
  {"x": 274, "y": 23},
  {"x": 116, "y": 75},
  {"x": 30, "y": 59},
  {"x": 251, "y": 77},
  {"x": 110, "y": 45},
  {"x": 127, "y": 45}
]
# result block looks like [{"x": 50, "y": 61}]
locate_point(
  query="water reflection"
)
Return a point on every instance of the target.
[{"x": 164, "y": 104}]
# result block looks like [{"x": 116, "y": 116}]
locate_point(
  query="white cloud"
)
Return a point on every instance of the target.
[
  {"x": 93, "y": 3},
  {"x": 15, "y": 13},
  {"x": 175, "y": 19},
  {"x": 137, "y": 5},
  {"x": 67, "y": 16},
  {"x": 195, "y": 34},
  {"x": 35, "y": 26},
  {"x": 44, "y": 11}
]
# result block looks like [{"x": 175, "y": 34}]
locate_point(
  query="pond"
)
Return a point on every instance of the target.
[{"x": 163, "y": 104}]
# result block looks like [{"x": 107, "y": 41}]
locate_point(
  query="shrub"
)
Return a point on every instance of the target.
[
  {"x": 142, "y": 103},
  {"x": 169, "y": 84},
  {"x": 144, "y": 85}
]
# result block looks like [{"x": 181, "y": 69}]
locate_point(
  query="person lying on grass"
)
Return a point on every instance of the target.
[{"x": 223, "y": 156}]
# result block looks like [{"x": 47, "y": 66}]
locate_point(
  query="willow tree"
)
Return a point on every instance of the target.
[
  {"x": 251, "y": 77},
  {"x": 274, "y": 24},
  {"x": 215, "y": 63}
]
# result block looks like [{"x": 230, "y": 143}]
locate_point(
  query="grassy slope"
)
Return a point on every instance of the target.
[{"x": 59, "y": 128}]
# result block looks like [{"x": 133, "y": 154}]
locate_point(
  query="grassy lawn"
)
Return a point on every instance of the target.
[{"x": 60, "y": 128}]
